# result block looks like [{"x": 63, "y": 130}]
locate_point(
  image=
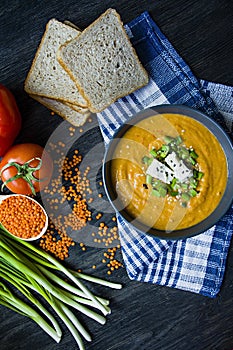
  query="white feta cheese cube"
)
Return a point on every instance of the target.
[
  {"x": 181, "y": 171},
  {"x": 160, "y": 171}
]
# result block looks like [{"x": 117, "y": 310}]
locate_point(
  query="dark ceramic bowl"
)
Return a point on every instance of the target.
[{"x": 226, "y": 200}]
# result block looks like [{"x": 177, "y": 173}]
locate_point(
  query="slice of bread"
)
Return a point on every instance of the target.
[
  {"x": 102, "y": 62},
  {"x": 46, "y": 76},
  {"x": 79, "y": 109},
  {"x": 74, "y": 117}
]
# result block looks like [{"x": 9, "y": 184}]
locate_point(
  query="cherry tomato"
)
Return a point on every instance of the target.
[
  {"x": 26, "y": 168},
  {"x": 10, "y": 119}
]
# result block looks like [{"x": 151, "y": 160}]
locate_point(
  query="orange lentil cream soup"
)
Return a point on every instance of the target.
[{"x": 169, "y": 171}]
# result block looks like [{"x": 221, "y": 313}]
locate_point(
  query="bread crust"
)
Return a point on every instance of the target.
[{"x": 72, "y": 116}]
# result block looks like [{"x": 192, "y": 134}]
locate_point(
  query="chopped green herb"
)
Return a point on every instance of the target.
[
  {"x": 184, "y": 186},
  {"x": 200, "y": 175},
  {"x": 192, "y": 192},
  {"x": 173, "y": 193},
  {"x": 178, "y": 140},
  {"x": 185, "y": 196},
  {"x": 181, "y": 163},
  {"x": 153, "y": 153},
  {"x": 163, "y": 151},
  {"x": 193, "y": 154},
  {"x": 192, "y": 161},
  {"x": 173, "y": 183},
  {"x": 162, "y": 191},
  {"x": 145, "y": 160},
  {"x": 155, "y": 193},
  {"x": 168, "y": 139},
  {"x": 183, "y": 153},
  {"x": 148, "y": 179},
  {"x": 193, "y": 182},
  {"x": 197, "y": 174}
]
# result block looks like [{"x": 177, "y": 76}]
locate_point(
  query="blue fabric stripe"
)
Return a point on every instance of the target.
[{"x": 180, "y": 264}]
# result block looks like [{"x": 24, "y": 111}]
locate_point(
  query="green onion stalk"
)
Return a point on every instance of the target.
[{"x": 33, "y": 271}]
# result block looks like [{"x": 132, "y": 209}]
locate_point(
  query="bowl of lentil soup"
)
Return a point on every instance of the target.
[
  {"x": 168, "y": 172},
  {"x": 23, "y": 217}
]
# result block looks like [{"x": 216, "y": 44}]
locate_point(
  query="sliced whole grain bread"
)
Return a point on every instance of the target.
[
  {"x": 102, "y": 62},
  {"x": 46, "y": 76},
  {"x": 68, "y": 113}
]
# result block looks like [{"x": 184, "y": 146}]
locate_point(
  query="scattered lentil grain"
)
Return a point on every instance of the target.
[{"x": 78, "y": 192}]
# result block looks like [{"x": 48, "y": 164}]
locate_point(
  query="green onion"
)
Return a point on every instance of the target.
[
  {"x": 178, "y": 140},
  {"x": 193, "y": 154},
  {"x": 10, "y": 300},
  {"x": 163, "y": 151},
  {"x": 172, "y": 192},
  {"x": 185, "y": 196},
  {"x": 193, "y": 182},
  {"x": 192, "y": 192},
  {"x": 184, "y": 186},
  {"x": 200, "y": 175},
  {"x": 145, "y": 160},
  {"x": 197, "y": 174},
  {"x": 153, "y": 153},
  {"x": 192, "y": 161},
  {"x": 30, "y": 269},
  {"x": 174, "y": 184},
  {"x": 168, "y": 139},
  {"x": 183, "y": 191},
  {"x": 148, "y": 179},
  {"x": 183, "y": 153},
  {"x": 162, "y": 191},
  {"x": 155, "y": 193}
]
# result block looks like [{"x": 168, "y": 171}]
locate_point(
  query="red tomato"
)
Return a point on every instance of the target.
[
  {"x": 22, "y": 156},
  {"x": 10, "y": 119}
]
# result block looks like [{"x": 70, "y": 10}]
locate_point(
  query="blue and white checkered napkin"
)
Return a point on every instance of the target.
[{"x": 195, "y": 264}]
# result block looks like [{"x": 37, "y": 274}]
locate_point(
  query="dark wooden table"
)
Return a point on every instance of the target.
[{"x": 143, "y": 316}]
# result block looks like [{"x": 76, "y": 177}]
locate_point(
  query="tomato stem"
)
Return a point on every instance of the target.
[{"x": 24, "y": 171}]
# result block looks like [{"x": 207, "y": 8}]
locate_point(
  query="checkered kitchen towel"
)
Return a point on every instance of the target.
[{"x": 195, "y": 264}]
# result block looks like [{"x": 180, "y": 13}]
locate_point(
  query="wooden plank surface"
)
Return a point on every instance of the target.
[{"x": 143, "y": 316}]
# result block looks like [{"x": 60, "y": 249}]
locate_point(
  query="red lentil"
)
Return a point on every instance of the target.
[
  {"x": 22, "y": 216},
  {"x": 57, "y": 241}
]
